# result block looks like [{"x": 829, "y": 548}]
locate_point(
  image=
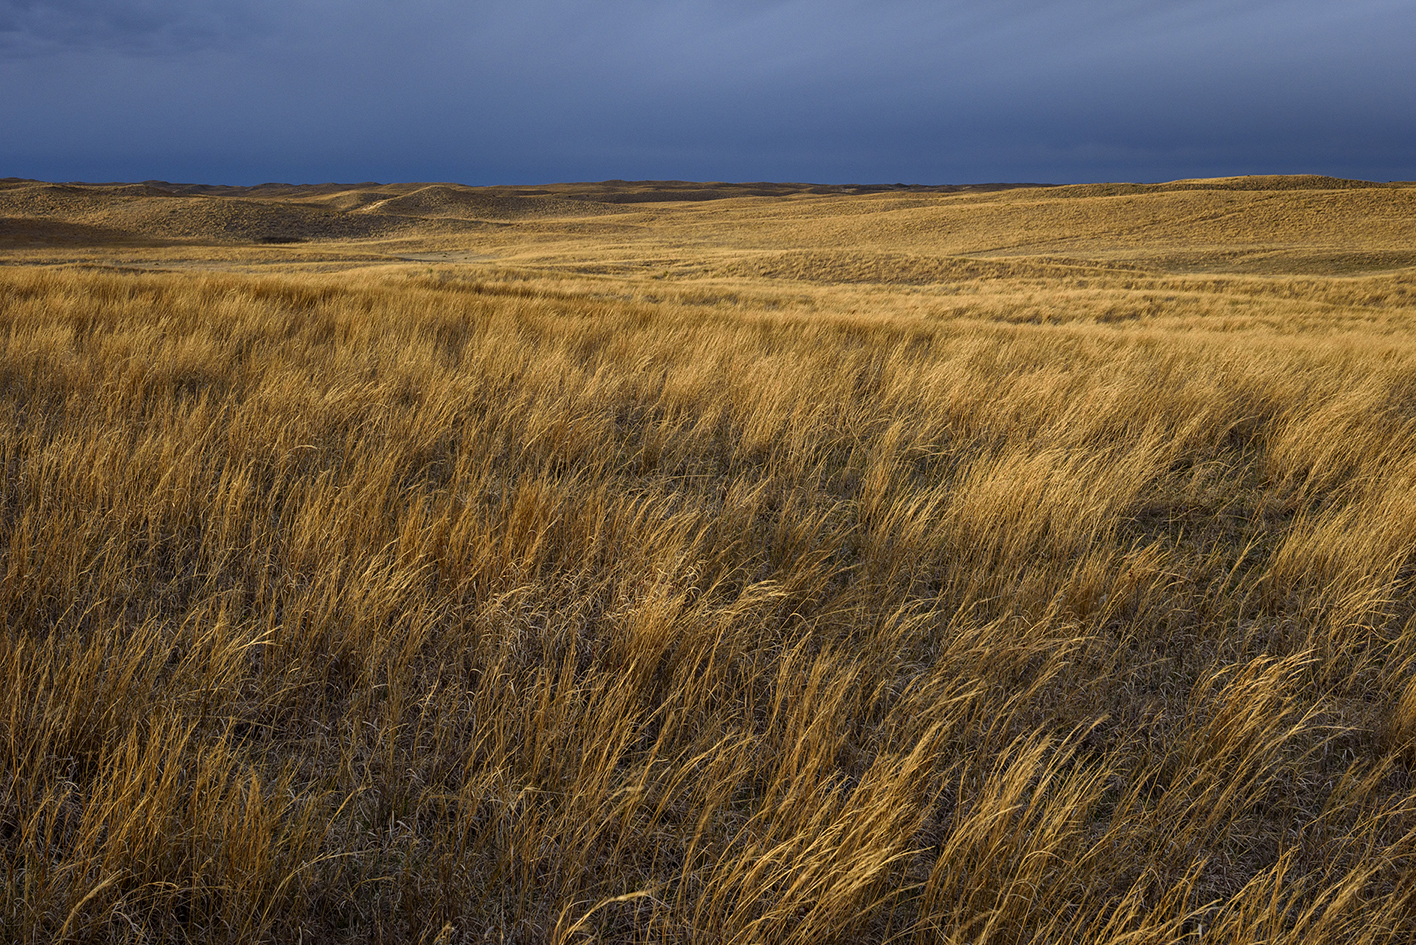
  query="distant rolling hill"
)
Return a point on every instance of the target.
[
  {"x": 275, "y": 213},
  {"x": 911, "y": 234}
]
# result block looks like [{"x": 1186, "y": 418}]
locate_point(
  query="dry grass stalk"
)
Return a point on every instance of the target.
[{"x": 436, "y": 608}]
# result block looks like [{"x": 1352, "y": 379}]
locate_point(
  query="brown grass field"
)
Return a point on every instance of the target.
[{"x": 708, "y": 563}]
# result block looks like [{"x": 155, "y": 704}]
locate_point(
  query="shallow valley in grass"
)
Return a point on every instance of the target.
[{"x": 708, "y": 562}]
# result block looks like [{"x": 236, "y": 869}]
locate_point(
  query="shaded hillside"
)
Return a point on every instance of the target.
[
  {"x": 657, "y": 191},
  {"x": 274, "y": 212},
  {"x": 1275, "y": 182},
  {"x": 450, "y": 201},
  {"x": 267, "y": 213},
  {"x": 871, "y": 234}
]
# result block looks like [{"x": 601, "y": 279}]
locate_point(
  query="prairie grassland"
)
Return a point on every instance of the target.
[{"x": 754, "y": 593}]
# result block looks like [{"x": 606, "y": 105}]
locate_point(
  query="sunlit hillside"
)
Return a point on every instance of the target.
[{"x": 676, "y": 562}]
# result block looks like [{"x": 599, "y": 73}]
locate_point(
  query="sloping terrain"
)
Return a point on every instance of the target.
[
  {"x": 440, "y": 201},
  {"x": 767, "y": 564},
  {"x": 883, "y": 234}
]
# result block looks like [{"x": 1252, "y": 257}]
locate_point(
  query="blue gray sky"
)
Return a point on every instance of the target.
[{"x": 832, "y": 91}]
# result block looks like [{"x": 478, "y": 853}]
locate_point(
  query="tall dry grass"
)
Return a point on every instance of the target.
[{"x": 428, "y": 610}]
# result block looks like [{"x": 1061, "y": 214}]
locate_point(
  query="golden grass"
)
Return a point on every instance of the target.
[{"x": 762, "y": 594}]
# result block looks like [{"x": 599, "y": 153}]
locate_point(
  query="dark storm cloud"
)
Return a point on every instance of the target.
[
  {"x": 804, "y": 89},
  {"x": 39, "y": 27}
]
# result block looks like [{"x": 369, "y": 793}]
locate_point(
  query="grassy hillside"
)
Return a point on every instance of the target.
[{"x": 1028, "y": 565}]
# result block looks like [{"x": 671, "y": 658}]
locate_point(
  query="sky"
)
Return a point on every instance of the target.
[{"x": 828, "y": 91}]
